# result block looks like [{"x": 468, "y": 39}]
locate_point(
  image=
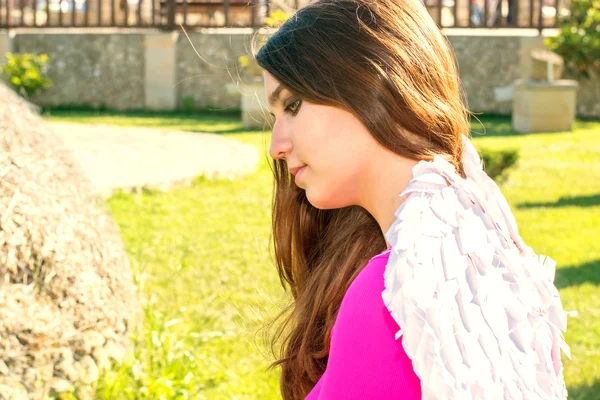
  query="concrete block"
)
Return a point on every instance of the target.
[
  {"x": 526, "y": 62},
  {"x": 160, "y": 71},
  {"x": 546, "y": 65},
  {"x": 543, "y": 106},
  {"x": 255, "y": 112},
  {"x": 6, "y": 46}
]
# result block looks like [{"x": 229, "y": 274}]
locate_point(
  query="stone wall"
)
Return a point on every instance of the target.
[
  {"x": 109, "y": 68},
  {"x": 489, "y": 62},
  {"x": 213, "y": 80},
  {"x": 98, "y": 70},
  {"x": 486, "y": 64}
]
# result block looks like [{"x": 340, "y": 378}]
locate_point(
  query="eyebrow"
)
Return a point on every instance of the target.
[{"x": 275, "y": 95}]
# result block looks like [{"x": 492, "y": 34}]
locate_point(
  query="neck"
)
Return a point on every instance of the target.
[{"x": 388, "y": 177}]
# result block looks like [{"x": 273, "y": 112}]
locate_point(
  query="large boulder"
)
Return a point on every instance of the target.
[{"x": 68, "y": 302}]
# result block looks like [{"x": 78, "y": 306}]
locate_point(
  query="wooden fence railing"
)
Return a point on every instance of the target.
[{"x": 169, "y": 14}]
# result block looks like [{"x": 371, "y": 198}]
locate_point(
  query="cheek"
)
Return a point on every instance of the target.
[
  {"x": 333, "y": 183},
  {"x": 337, "y": 152}
]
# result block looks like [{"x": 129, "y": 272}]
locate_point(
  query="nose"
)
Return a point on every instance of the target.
[{"x": 281, "y": 143}]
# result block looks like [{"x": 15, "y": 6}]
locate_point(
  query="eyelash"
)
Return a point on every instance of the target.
[{"x": 288, "y": 110}]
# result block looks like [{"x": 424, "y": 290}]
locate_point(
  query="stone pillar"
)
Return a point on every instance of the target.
[
  {"x": 540, "y": 106},
  {"x": 462, "y": 13},
  {"x": 529, "y": 11},
  {"x": 255, "y": 113},
  {"x": 160, "y": 71},
  {"x": 6, "y": 45},
  {"x": 524, "y": 13}
]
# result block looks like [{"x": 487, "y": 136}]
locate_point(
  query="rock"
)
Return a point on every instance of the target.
[
  {"x": 89, "y": 372},
  {"x": 64, "y": 267},
  {"x": 4, "y": 368},
  {"x": 114, "y": 351},
  {"x": 92, "y": 340},
  {"x": 10, "y": 389},
  {"x": 66, "y": 366},
  {"x": 61, "y": 386},
  {"x": 108, "y": 333},
  {"x": 102, "y": 359},
  {"x": 31, "y": 375},
  {"x": 121, "y": 327},
  {"x": 85, "y": 393},
  {"x": 71, "y": 373}
]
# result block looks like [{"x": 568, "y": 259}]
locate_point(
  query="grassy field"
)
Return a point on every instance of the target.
[{"x": 201, "y": 257}]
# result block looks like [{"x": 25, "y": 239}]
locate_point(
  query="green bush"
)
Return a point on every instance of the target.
[
  {"x": 26, "y": 73},
  {"x": 277, "y": 18},
  {"x": 578, "y": 41},
  {"x": 188, "y": 104},
  {"x": 497, "y": 162}
]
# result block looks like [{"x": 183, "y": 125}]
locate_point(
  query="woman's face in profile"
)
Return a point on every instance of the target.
[{"x": 332, "y": 145}]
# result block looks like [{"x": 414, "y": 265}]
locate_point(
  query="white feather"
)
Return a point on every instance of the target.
[{"x": 479, "y": 314}]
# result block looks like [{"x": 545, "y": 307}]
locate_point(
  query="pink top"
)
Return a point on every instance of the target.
[{"x": 365, "y": 361}]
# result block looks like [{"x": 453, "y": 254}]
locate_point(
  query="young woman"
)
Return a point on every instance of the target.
[{"x": 408, "y": 274}]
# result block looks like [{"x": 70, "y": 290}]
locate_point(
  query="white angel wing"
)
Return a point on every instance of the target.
[{"x": 478, "y": 311}]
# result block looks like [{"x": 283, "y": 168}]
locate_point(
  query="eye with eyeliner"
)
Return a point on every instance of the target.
[{"x": 288, "y": 108}]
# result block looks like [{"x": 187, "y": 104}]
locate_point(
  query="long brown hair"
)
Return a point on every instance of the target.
[{"x": 386, "y": 62}]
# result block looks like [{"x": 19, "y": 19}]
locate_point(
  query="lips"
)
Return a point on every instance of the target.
[{"x": 295, "y": 170}]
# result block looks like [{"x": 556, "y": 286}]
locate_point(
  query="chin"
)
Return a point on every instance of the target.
[{"x": 324, "y": 201}]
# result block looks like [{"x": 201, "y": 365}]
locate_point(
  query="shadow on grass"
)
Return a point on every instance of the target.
[
  {"x": 577, "y": 275},
  {"x": 501, "y": 125},
  {"x": 585, "y": 392},
  {"x": 101, "y": 112},
  {"x": 227, "y": 121},
  {"x": 578, "y": 201},
  {"x": 221, "y": 131},
  {"x": 491, "y": 125}
]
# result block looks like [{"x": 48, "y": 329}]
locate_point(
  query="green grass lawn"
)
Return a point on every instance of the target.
[{"x": 201, "y": 257}]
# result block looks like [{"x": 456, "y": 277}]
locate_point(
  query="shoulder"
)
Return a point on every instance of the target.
[
  {"x": 363, "y": 302},
  {"x": 365, "y": 359},
  {"x": 370, "y": 281}
]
